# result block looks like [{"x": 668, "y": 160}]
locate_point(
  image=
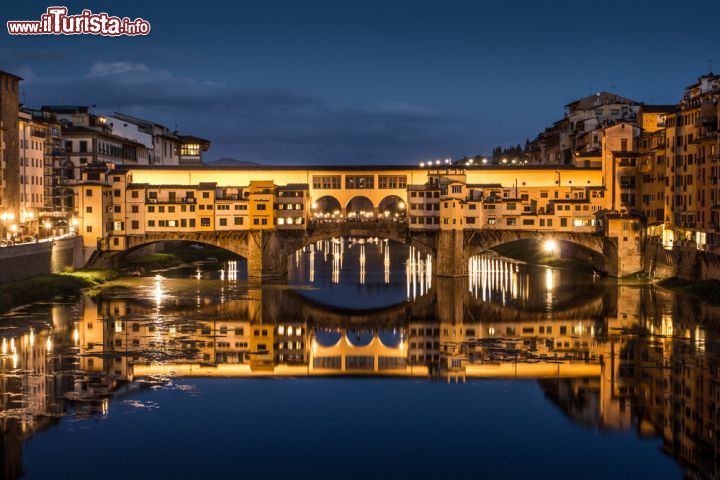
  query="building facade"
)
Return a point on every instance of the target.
[{"x": 9, "y": 151}]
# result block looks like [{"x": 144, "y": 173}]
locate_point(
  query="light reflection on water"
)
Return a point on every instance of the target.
[{"x": 608, "y": 357}]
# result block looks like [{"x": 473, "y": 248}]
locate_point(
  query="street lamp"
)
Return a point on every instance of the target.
[{"x": 550, "y": 247}]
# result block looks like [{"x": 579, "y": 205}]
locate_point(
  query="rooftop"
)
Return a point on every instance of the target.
[{"x": 342, "y": 168}]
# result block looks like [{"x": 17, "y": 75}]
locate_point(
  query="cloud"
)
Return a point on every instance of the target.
[
  {"x": 274, "y": 125},
  {"x": 101, "y": 69}
]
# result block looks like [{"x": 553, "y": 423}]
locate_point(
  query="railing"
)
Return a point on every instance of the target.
[{"x": 374, "y": 220}]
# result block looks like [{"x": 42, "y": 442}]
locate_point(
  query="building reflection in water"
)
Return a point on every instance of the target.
[{"x": 618, "y": 357}]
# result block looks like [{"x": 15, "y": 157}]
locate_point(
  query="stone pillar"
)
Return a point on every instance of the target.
[
  {"x": 450, "y": 260},
  {"x": 267, "y": 258},
  {"x": 452, "y": 297}
]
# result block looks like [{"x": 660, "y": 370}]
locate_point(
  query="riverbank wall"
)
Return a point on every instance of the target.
[
  {"x": 683, "y": 261},
  {"x": 42, "y": 258}
]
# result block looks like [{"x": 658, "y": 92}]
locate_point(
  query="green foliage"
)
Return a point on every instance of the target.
[
  {"x": 637, "y": 277},
  {"x": 46, "y": 287}
]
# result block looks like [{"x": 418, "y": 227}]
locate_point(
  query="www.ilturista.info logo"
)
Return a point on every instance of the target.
[{"x": 56, "y": 21}]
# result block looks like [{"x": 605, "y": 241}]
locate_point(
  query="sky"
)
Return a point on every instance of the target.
[{"x": 364, "y": 82}]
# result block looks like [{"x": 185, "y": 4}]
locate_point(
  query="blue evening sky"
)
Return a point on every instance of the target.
[{"x": 365, "y": 81}]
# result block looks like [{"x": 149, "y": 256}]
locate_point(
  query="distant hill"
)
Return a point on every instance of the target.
[{"x": 230, "y": 162}]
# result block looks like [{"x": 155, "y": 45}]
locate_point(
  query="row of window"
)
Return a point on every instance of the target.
[
  {"x": 206, "y": 222},
  {"x": 353, "y": 182},
  {"x": 511, "y": 221},
  {"x": 434, "y": 194}
]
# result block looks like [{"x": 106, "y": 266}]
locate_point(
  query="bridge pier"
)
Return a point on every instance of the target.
[
  {"x": 451, "y": 260},
  {"x": 267, "y": 255}
]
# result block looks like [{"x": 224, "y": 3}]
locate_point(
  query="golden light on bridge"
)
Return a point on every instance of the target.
[{"x": 550, "y": 247}]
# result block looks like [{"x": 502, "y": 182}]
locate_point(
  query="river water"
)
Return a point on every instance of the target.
[{"x": 364, "y": 365}]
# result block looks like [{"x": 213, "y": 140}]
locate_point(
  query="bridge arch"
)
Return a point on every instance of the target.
[
  {"x": 237, "y": 243},
  {"x": 328, "y": 338},
  {"x": 392, "y": 206},
  {"x": 359, "y": 337},
  {"x": 326, "y": 205},
  {"x": 360, "y": 206},
  {"x": 587, "y": 247}
]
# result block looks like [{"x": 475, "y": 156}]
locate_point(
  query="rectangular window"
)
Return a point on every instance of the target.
[
  {"x": 190, "y": 149},
  {"x": 362, "y": 182},
  {"x": 223, "y": 222},
  {"x": 326, "y": 182},
  {"x": 392, "y": 181},
  {"x": 238, "y": 220},
  {"x": 205, "y": 222}
]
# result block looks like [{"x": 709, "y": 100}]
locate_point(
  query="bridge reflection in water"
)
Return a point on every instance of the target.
[
  {"x": 609, "y": 356},
  {"x": 331, "y": 255}
]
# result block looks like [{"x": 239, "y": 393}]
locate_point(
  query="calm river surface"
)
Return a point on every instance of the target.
[{"x": 364, "y": 366}]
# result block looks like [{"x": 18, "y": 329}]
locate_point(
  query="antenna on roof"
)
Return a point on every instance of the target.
[{"x": 710, "y": 66}]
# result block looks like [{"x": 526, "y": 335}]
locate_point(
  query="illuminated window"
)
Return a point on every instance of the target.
[{"x": 191, "y": 149}]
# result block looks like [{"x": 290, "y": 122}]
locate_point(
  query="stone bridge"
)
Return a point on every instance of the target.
[{"x": 267, "y": 251}]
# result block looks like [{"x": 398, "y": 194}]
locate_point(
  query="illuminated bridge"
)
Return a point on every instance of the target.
[{"x": 265, "y": 214}]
